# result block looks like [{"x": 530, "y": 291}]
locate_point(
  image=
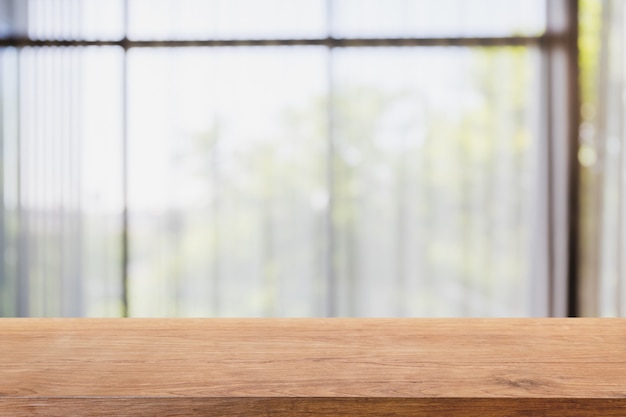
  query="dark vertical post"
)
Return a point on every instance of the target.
[
  {"x": 561, "y": 77},
  {"x": 574, "y": 168}
]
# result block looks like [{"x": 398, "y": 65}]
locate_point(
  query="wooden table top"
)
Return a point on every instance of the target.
[{"x": 294, "y": 367}]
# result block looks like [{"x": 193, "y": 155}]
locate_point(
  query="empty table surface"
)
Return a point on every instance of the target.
[{"x": 329, "y": 367}]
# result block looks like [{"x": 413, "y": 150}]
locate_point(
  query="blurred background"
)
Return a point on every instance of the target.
[{"x": 277, "y": 158}]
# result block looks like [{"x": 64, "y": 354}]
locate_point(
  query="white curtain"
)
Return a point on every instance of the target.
[{"x": 605, "y": 280}]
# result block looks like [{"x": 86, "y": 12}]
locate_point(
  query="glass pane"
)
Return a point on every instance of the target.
[
  {"x": 63, "y": 19},
  {"x": 432, "y": 195},
  {"x": 13, "y": 18},
  {"x": 227, "y": 191},
  {"x": 101, "y": 179},
  {"x": 61, "y": 184},
  {"x": 226, "y": 19},
  {"x": 612, "y": 160},
  {"x": 9, "y": 126},
  {"x": 437, "y": 18},
  {"x": 255, "y": 19},
  {"x": 434, "y": 180}
]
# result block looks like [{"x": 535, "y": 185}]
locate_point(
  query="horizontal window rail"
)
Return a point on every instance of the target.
[
  {"x": 322, "y": 367},
  {"x": 328, "y": 42}
]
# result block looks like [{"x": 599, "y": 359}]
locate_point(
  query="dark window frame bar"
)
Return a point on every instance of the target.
[
  {"x": 560, "y": 127},
  {"x": 330, "y": 42}
]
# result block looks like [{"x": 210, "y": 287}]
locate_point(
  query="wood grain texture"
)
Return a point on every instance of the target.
[{"x": 295, "y": 367}]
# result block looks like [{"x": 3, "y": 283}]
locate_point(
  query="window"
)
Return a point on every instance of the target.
[{"x": 280, "y": 158}]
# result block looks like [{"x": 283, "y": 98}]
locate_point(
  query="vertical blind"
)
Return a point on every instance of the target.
[{"x": 266, "y": 166}]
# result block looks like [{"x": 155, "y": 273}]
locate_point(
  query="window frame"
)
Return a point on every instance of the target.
[{"x": 555, "y": 273}]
